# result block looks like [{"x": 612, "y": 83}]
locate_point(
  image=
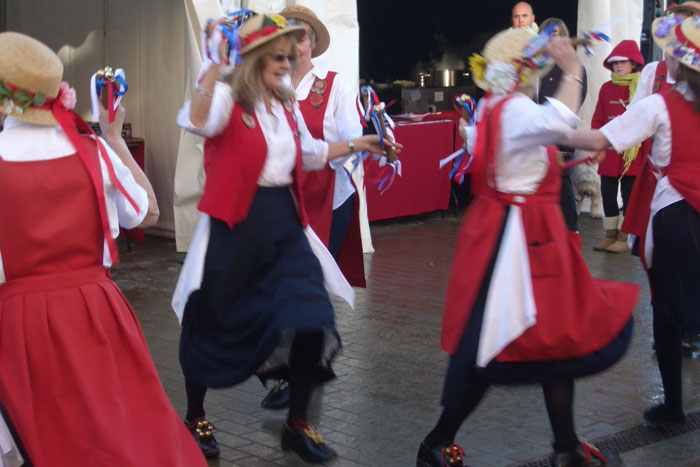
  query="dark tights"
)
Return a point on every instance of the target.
[
  {"x": 559, "y": 399},
  {"x": 304, "y": 357},
  {"x": 669, "y": 356}
]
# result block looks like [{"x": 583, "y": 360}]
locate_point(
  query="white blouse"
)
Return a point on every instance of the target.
[
  {"x": 23, "y": 142},
  {"x": 280, "y": 160},
  {"x": 646, "y": 119},
  {"x": 526, "y": 127},
  {"x": 341, "y": 122},
  {"x": 645, "y": 87}
]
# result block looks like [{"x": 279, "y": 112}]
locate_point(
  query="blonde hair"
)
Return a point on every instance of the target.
[
  {"x": 246, "y": 79},
  {"x": 563, "y": 30}
]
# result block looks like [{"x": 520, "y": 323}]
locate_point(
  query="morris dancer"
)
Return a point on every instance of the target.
[
  {"x": 252, "y": 286},
  {"x": 521, "y": 305},
  {"x": 330, "y": 197},
  {"x": 667, "y": 201},
  {"x": 76, "y": 376}
]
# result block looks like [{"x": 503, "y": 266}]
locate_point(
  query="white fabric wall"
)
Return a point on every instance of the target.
[
  {"x": 339, "y": 16},
  {"x": 593, "y": 14},
  {"x": 144, "y": 38}
]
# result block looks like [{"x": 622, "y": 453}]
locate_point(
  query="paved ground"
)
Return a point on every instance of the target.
[{"x": 386, "y": 396}]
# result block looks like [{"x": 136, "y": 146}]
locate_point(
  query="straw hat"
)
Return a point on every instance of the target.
[
  {"x": 323, "y": 39},
  {"x": 261, "y": 29},
  {"x": 27, "y": 65},
  {"x": 501, "y": 62},
  {"x": 690, "y": 7},
  {"x": 681, "y": 41}
]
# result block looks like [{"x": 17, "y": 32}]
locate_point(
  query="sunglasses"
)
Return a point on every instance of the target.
[{"x": 281, "y": 58}]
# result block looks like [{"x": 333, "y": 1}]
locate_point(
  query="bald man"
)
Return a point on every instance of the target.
[{"x": 522, "y": 16}]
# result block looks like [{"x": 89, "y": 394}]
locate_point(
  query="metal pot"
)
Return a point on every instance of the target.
[
  {"x": 423, "y": 79},
  {"x": 445, "y": 78}
]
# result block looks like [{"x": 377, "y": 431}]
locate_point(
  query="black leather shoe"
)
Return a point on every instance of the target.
[
  {"x": 661, "y": 415},
  {"x": 278, "y": 397},
  {"x": 442, "y": 456},
  {"x": 306, "y": 442},
  {"x": 202, "y": 433},
  {"x": 586, "y": 455}
]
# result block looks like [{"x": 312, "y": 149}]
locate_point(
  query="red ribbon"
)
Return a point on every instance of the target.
[
  {"x": 110, "y": 100},
  {"x": 254, "y": 36},
  {"x": 685, "y": 41},
  {"x": 70, "y": 123}
]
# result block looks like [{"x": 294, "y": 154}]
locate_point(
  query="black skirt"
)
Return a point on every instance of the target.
[
  {"x": 262, "y": 285},
  {"x": 463, "y": 374}
]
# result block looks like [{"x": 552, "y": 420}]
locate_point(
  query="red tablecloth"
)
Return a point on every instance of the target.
[{"x": 423, "y": 186}]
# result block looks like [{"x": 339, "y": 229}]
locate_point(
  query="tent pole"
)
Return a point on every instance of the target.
[{"x": 105, "y": 16}]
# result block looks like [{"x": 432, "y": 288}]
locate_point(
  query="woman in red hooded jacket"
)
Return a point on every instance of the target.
[{"x": 625, "y": 61}]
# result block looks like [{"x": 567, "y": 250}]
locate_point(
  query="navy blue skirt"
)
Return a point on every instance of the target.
[
  {"x": 463, "y": 374},
  {"x": 262, "y": 285}
]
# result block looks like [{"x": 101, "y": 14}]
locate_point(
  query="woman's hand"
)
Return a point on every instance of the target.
[
  {"x": 111, "y": 131},
  {"x": 596, "y": 157},
  {"x": 372, "y": 144}
]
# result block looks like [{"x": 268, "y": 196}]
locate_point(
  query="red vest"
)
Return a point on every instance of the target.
[
  {"x": 684, "y": 169},
  {"x": 319, "y": 185},
  {"x": 233, "y": 161},
  {"x": 660, "y": 83}
]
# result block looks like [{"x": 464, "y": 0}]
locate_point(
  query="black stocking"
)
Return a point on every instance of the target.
[
  {"x": 559, "y": 399},
  {"x": 195, "y": 400},
  {"x": 304, "y": 358},
  {"x": 452, "y": 417}
]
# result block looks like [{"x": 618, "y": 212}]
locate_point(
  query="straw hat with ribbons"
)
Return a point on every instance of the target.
[
  {"x": 30, "y": 73},
  {"x": 261, "y": 29},
  {"x": 504, "y": 67},
  {"x": 300, "y": 13},
  {"x": 679, "y": 39}
]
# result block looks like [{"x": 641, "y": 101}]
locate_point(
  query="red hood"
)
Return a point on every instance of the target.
[{"x": 629, "y": 50}]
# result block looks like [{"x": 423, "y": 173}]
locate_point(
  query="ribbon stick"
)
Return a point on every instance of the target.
[
  {"x": 107, "y": 83},
  {"x": 372, "y": 110},
  {"x": 466, "y": 105}
]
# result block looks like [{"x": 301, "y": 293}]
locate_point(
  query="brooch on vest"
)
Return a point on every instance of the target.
[
  {"x": 657, "y": 83},
  {"x": 248, "y": 120},
  {"x": 316, "y": 95}
]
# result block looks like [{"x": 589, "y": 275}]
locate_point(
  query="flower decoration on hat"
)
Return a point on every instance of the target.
[
  {"x": 477, "y": 63},
  {"x": 17, "y": 99},
  {"x": 666, "y": 25}
]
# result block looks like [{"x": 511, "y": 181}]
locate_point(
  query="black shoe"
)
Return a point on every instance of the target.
[
  {"x": 278, "y": 397},
  {"x": 586, "y": 455},
  {"x": 306, "y": 442},
  {"x": 661, "y": 415},
  {"x": 202, "y": 433},
  {"x": 441, "y": 456}
]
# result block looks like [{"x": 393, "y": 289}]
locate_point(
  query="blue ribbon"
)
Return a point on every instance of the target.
[{"x": 118, "y": 79}]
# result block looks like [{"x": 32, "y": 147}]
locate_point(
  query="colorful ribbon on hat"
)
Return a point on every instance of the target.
[
  {"x": 225, "y": 31},
  {"x": 373, "y": 110},
  {"x": 115, "y": 82},
  {"x": 70, "y": 122}
]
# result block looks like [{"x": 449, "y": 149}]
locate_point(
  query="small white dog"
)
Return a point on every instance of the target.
[{"x": 586, "y": 183}]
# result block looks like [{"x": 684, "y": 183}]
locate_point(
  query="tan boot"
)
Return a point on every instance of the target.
[
  {"x": 610, "y": 224},
  {"x": 620, "y": 245}
]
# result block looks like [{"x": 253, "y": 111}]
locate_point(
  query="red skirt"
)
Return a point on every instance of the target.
[{"x": 77, "y": 378}]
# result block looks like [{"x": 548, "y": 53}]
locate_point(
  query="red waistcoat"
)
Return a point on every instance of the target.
[
  {"x": 318, "y": 186},
  {"x": 684, "y": 169},
  {"x": 233, "y": 161},
  {"x": 660, "y": 83}
]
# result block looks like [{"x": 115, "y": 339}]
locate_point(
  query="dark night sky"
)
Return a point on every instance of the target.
[{"x": 398, "y": 38}]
